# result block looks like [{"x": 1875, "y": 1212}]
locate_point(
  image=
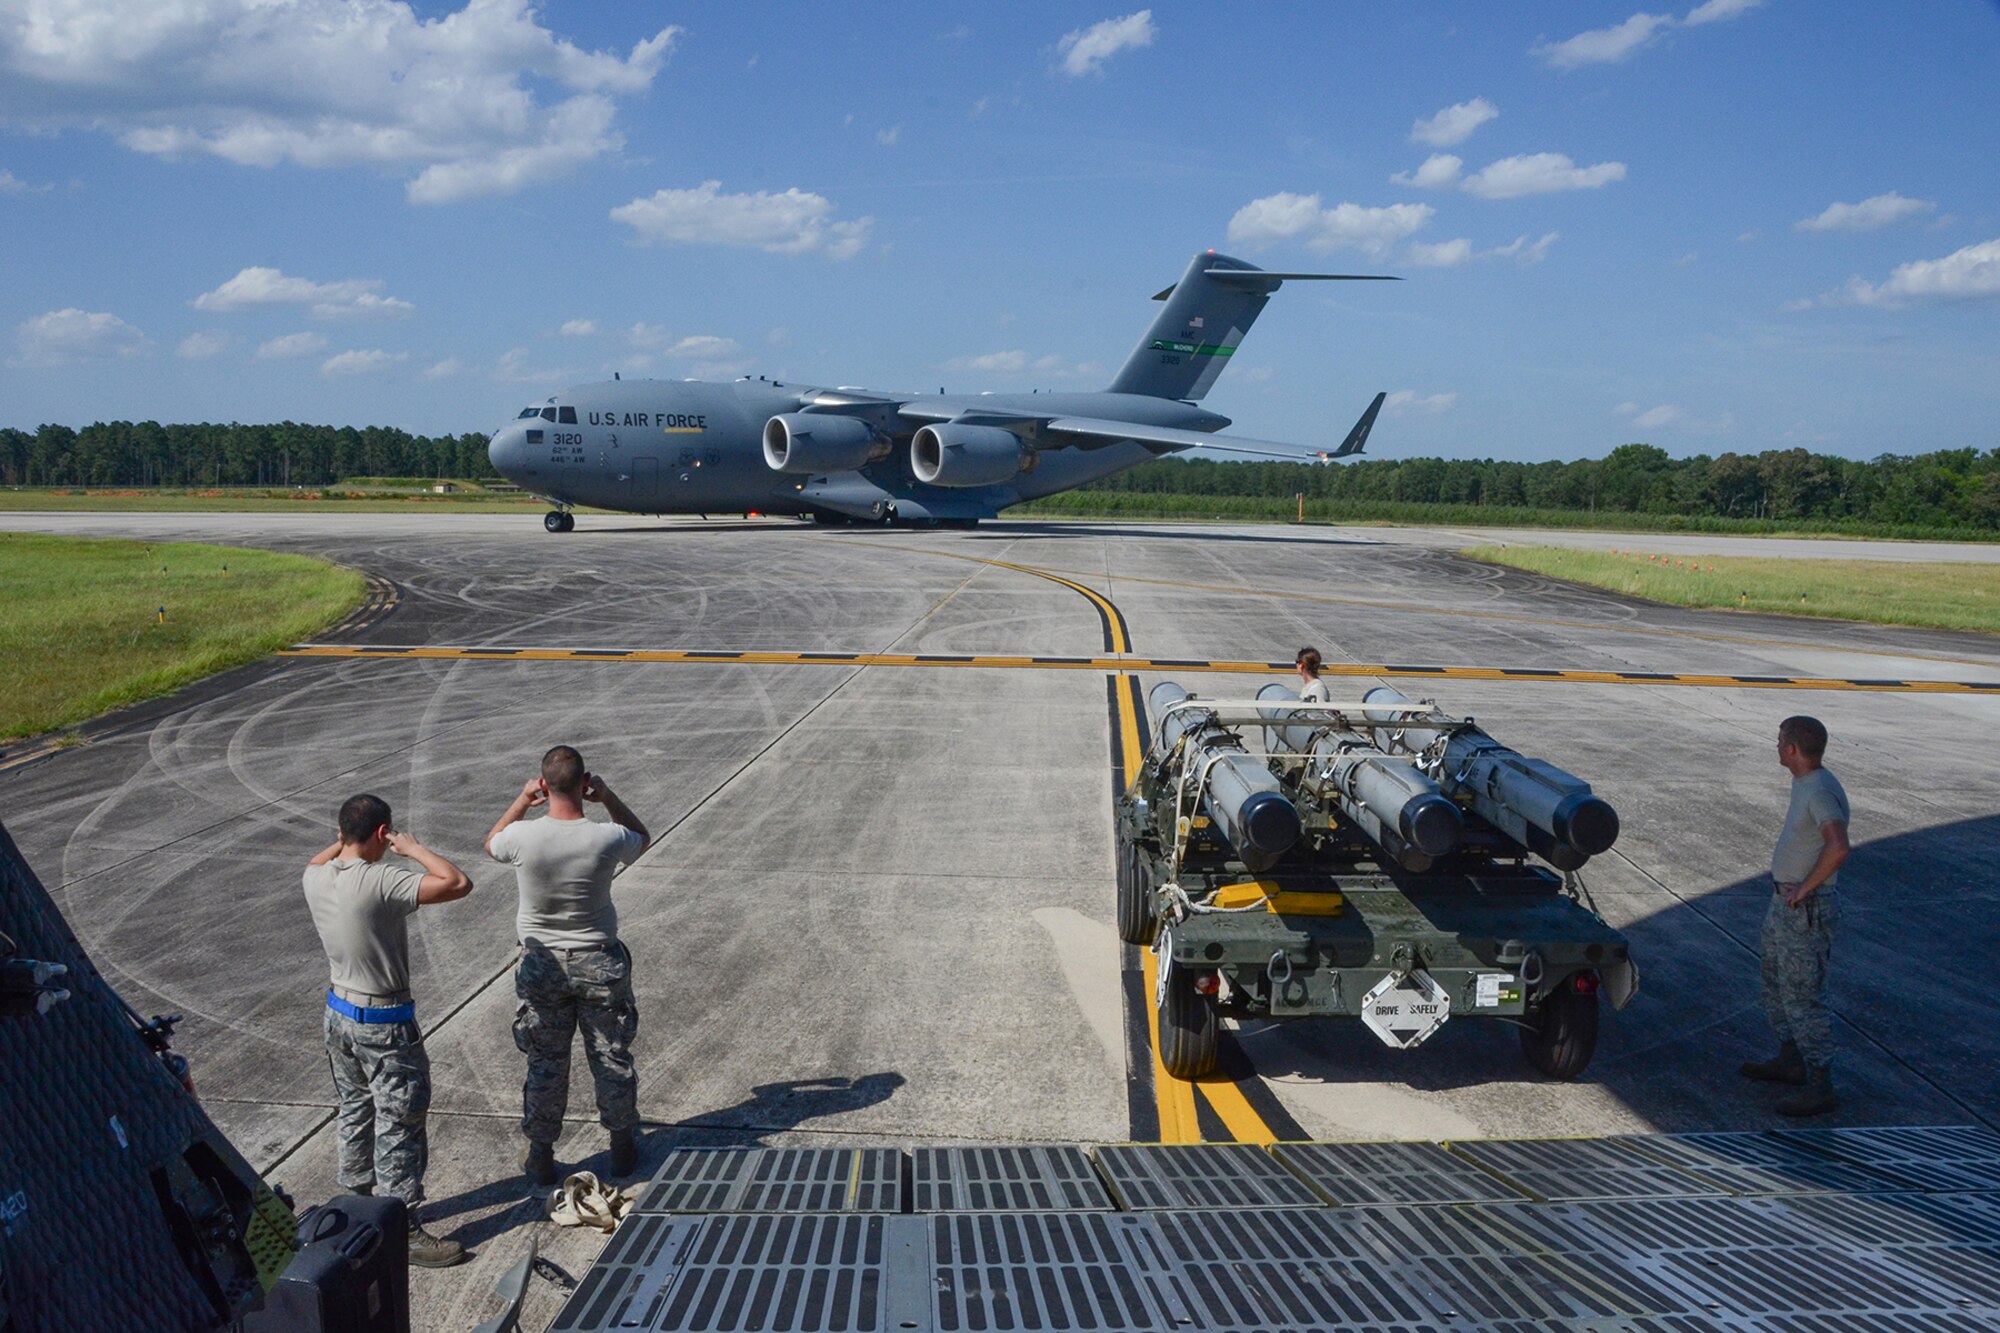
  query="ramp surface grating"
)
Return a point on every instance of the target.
[{"x": 1781, "y": 1232}]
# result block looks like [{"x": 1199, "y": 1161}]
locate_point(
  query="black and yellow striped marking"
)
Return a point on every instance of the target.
[{"x": 1127, "y": 663}]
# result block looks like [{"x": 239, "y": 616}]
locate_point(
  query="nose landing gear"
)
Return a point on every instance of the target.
[{"x": 559, "y": 520}]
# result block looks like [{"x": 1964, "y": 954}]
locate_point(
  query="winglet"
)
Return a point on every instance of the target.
[{"x": 1359, "y": 435}]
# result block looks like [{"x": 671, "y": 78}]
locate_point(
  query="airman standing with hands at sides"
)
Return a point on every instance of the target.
[
  {"x": 1798, "y": 925},
  {"x": 381, "y": 1072},
  {"x": 573, "y": 971}
]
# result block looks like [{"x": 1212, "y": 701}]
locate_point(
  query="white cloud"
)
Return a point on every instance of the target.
[
  {"x": 291, "y": 345},
  {"x": 1020, "y": 363},
  {"x": 1408, "y": 402},
  {"x": 62, "y": 337},
  {"x": 513, "y": 368},
  {"x": 1447, "y": 254},
  {"x": 1667, "y": 415},
  {"x": 255, "y": 287},
  {"x": 361, "y": 363},
  {"x": 1539, "y": 173},
  {"x": 445, "y": 369},
  {"x": 1871, "y": 214},
  {"x": 1524, "y": 251},
  {"x": 998, "y": 363},
  {"x": 704, "y": 345},
  {"x": 202, "y": 346},
  {"x": 578, "y": 328},
  {"x": 12, "y": 184},
  {"x": 1085, "y": 50},
  {"x": 1450, "y": 254},
  {"x": 1970, "y": 274},
  {"x": 1283, "y": 216},
  {"x": 791, "y": 223},
  {"x": 1454, "y": 123},
  {"x": 652, "y": 336},
  {"x": 1438, "y": 171},
  {"x": 458, "y": 100},
  {"x": 1715, "y": 11},
  {"x": 1602, "y": 46},
  {"x": 887, "y": 138}
]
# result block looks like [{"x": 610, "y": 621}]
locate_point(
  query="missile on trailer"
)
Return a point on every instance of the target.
[
  {"x": 1550, "y": 812},
  {"x": 1242, "y": 797},
  {"x": 1400, "y": 809}
]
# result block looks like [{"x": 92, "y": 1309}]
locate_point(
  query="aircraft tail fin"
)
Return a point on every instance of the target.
[{"x": 1207, "y": 313}]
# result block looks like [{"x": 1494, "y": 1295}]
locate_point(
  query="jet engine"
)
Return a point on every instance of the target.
[
  {"x": 954, "y": 455},
  {"x": 806, "y": 443}
]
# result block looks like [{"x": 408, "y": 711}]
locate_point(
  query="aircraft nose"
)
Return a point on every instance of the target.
[{"x": 504, "y": 451}]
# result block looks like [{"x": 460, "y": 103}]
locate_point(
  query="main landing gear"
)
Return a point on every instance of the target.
[{"x": 559, "y": 520}]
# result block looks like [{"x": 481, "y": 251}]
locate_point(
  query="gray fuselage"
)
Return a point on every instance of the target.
[{"x": 686, "y": 447}]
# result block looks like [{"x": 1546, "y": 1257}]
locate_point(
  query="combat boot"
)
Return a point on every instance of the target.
[
  {"x": 1816, "y": 1097},
  {"x": 1788, "y": 1066},
  {"x": 428, "y": 1251},
  {"x": 538, "y": 1160},
  {"x": 624, "y": 1152}
]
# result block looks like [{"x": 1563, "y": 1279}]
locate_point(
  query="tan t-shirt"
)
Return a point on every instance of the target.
[
  {"x": 1816, "y": 798},
  {"x": 362, "y": 911},
  {"x": 565, "y": 874}
]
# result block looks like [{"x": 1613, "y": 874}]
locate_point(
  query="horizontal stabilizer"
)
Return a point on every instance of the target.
[{"x": 1241, "y": 277}]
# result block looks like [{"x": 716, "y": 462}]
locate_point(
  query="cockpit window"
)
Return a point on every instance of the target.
[
  {"x": 527, "y": 412},
  {"x": 548, "y": 414},
  {"x": 566, "y": 416}
]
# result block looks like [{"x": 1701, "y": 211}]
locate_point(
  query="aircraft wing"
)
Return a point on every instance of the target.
[{"x": 1096, "y": 433}]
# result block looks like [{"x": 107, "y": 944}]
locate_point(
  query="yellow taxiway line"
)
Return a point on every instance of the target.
[{"x": 1126, "y": 663}]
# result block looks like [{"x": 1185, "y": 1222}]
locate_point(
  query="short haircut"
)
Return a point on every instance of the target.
[
  {"x": 562, "y": 769},
  {"x": 1808, "y": 733},
  {"x": 1309, "y": 660},
  {"x": 361, "y": 815}
]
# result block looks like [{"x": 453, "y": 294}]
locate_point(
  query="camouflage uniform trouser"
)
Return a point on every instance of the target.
[
  {"x": 383, "y": 1076},
  {"x": 560, "y": 991},
  {"x": 1797, "y": 944}
]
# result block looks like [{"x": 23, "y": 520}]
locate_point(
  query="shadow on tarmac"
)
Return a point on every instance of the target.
[
  {"x": 1916, "y": 1018},
  {"x": 771, "y": 1108}
]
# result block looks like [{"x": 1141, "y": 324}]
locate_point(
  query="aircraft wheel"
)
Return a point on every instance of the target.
[
  {"x": 1137, "y": 923},
  {"x": 1187, "y": 1028},
  {"x": 1560, "y": 1040},
  {"x": 556, "y": 521}
]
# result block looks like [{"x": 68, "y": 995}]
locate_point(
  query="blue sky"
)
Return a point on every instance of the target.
[{"x": 1728, "y": 225}]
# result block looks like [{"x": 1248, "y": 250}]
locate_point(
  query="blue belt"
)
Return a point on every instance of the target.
[{"x": 400, "y": 1013}]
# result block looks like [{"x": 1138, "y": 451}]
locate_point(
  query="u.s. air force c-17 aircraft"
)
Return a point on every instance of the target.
[{"x": 854, "y": 455}]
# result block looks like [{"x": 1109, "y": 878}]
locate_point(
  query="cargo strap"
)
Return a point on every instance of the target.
[
  {"x": 401, "y": 1013},
  {"x": 584, "y": 1201}
]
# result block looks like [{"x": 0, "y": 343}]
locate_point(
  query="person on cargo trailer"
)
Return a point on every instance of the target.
[
  {"x": 381, "y": 1072},
  {"x": 573, "y": 971},
  {"x": 1799, "y": 924},
  {"x": 1312, "y": 689}
]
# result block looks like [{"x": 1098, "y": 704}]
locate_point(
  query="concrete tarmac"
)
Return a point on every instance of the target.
[{"x": 879, "y": 905}]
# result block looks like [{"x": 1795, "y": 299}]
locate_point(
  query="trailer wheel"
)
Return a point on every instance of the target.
[
  {"x": 1187, "y": 1028},
  {"x": 1137, "y": 923},
  {"x": 1561, "y": 1039}
]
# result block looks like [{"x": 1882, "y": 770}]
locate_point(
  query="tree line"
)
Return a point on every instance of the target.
[
  {"x": 1955, "y": 488},
  {"x": 145, "y": 453}
]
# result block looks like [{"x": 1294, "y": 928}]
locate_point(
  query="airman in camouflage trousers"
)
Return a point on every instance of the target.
[
  {"x": 1797, "y": 945},
  {"x": 382, "y": 1077},
  {"x": 561, "y": 990}
]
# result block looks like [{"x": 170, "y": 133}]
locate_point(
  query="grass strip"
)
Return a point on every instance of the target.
[
  {"x": 83, "y": 631},
  {"x": 1883, "y": 592}
]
